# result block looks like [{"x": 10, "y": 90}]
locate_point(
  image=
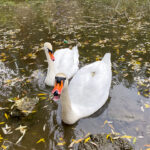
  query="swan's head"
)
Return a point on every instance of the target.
[
  {"x": 60, "y": 82},
  {"x": 48, "y": 50}
]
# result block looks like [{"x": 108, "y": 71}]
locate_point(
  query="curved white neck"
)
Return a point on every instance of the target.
[
  {"x": 68, "y": 115},
  {"x": 50, "y": 78},
  {"x": 50, "y": 62}
]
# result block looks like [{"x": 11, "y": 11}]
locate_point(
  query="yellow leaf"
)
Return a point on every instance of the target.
[
  {"x": 2, "y": 122},
  {"x": 134, "y": 140},
  {"x": 7, "y": 81},
  {"x": 30, "y": 54},
  {"x": 108, "y": 135},
  {"x": 43, "y": 97},
  {"x": 97, "y": 59},
  {"x": 147, "y": 105},
  {"x": 122, "y": 59},
  {"x": 1, "y": 137},
  {"x": 115, "y": 71},
  {"x": 61, "y": 139},
  {"x": 117, "y": 51},
  {"x": 139, "y": 93},
  {"x": 106, "y": 121},
  {"x": 27, "y": 111},
  {"x": 41, "y": 140},
  {"x": 4, "y": 147},
  {"x": 6, "y": 116},
  {"x": 148, "y": 149},
  {"x": 28, "y": 81},
  {"x": 126, "y": 137},
  {"x": 63, "y": 143},
  {"x": 42, "y": 94},
  {"x": 87, "y": 139},
  {"x": 138, "y": 63}
]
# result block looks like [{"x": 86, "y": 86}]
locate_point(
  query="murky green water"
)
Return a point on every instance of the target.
[{"x": 97, "y": 26}]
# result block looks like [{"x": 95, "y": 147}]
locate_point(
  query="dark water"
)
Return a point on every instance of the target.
[{"x": 99, "y": 26}]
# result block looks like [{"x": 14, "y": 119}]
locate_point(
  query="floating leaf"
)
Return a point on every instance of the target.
[
  {"x": 126, "y": 137},
  {"x": 63, "y": 143},
  {"x": 6, "y": 116},
  {"x": 43, "y": 98},
  {"x": 40, "y": 94},
  {"x": 61, "y": 139},
  {"x": 7, "y": 129},
  {"x": 4, "y": 147},
  {"x": 122, "y": 59},
  {"x": 106, "y": 121},
  {"x": 28, "y": 111},
  {"x": 1, "y": 137},
  {"x": 108, "y": 135},
  {"x": 22, "y": 129},
  {"x": 147, "y": 105},
  {"x": 117, "y": 51},
  {"x": 148, "y": 149},
  {"x": 134, "y": 140},
  {"x": 87, "y": 139},
  {"x": 41, "y": 140}
]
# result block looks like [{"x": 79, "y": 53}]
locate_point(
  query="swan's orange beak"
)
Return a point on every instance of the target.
[
  {"x": 57, "y": 90},
  {"x": 51, "y": 56}
]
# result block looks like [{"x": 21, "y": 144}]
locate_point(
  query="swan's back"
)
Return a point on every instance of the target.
[{"x": 89, "y": 88}]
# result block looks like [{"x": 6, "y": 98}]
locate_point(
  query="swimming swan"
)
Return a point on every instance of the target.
[
  {"x": 87, "y": 92},
  {"x": 63, "y": 60}
]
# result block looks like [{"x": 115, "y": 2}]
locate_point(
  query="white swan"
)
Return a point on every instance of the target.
[
  {"x": 63, "y": 60},
  {"x": 87, "y": 92}
]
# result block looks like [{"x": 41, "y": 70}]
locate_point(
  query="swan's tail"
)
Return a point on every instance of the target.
[{"x": 106, "y": 58}]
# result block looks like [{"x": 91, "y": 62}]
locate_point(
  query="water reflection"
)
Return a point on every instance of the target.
[{"x": 97, "y": 27}]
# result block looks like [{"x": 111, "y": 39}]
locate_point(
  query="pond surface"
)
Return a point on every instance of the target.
[{"x": 97, "y": 26}]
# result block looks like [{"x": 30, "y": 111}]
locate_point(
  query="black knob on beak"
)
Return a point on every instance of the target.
[{"x": 56, "y": 93}]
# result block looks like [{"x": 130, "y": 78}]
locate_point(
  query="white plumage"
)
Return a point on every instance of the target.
[
  {"x": 66, "y": 61},
  {"x": 88, "y": 90}
]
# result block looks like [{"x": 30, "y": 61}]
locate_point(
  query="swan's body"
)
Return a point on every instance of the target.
[
  {"x": 66, "y": 61},
  {"x": 87, "y": 92}
]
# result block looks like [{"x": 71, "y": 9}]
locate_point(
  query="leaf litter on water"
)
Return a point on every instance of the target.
[{"x": 40, "y": 140}]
